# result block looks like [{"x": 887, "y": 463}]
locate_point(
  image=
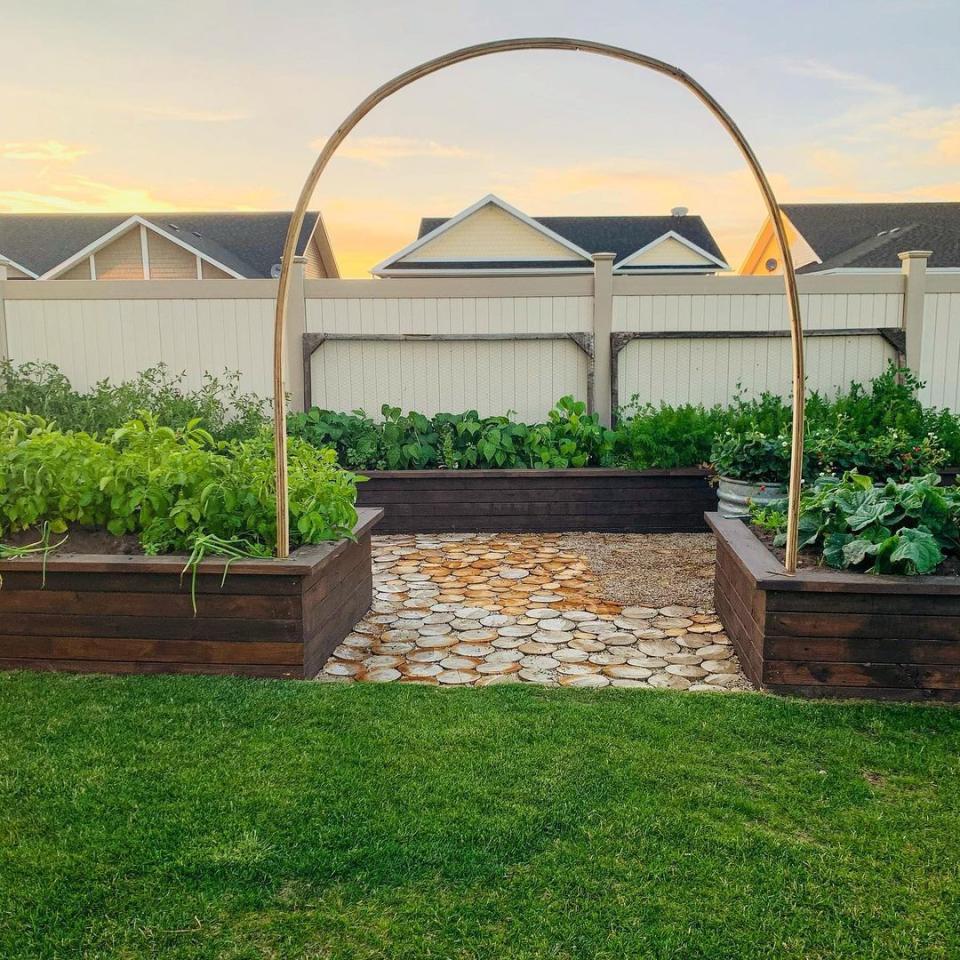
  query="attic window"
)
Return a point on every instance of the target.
[{"x": 771, "y": 265}]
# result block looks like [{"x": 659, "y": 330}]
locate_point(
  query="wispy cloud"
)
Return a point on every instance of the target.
[
  {"x": 855, "y": 82},
  {"x": 45, "y": 150},
  {"x": 192, "y": 115},
  {"x": 382, "y": 151}
]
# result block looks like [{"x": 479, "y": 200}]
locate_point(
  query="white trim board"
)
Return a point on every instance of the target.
[
  {"x": 490, "y": 199},
  {"x": 19, "y": 266},
  {"x": 119, "y": 230}
]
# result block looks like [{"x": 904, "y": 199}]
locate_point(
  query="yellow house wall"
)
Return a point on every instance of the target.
[
  {"x": 14, "y": 274},
  {"x": 121, "y": 259},
  {"x": 491, "y": 233},
  {"x": 79, "y": 272},
  {"x": 210, "y": 272},
  {"x": 669, "y": 252},
  {"x": 766, "y": 248},
  {"x": 314, "y": 265},
  {"x": 169, "y": 261}
]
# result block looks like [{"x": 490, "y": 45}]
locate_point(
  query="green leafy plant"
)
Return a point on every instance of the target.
[
  {"x": 177, "y": 489},
  {"x": 218, "y": 403},
  {"x": 906, "y": 528}
]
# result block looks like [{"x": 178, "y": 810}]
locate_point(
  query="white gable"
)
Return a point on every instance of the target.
[
  {"x": 671, "y": 250},
  {"x": 490, "y": 233}
]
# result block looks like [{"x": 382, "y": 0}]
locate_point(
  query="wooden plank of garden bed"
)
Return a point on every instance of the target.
[
  {"x": 856, "y": 625},
  {"x": 903, "y": 674},
  {"x": 304, "y": 560},
  {"x": 874, "y": 649},
  {"x": 160, "y": 651},
  {"x": 127, "y": 603}
]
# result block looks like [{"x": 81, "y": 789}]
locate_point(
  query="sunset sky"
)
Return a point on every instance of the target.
[{"x": 207, "y": 105}]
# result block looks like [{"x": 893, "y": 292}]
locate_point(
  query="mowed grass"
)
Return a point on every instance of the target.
[{"x": 194, "y": 817}]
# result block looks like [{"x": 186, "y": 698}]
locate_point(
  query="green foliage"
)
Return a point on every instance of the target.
[
  {"x": 174, "y": 488},
  {"x": 883, "y": 431},
  {"x": 649, "y": 436},
  {"x": 219, "y": 405},
  {"x": 895, "y": 528},
  {"x": 570, "y": 437}
]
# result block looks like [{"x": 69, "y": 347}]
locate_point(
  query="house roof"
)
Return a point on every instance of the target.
[
  {"x": 620, "y": 235},
  {"x": 247, "y": 243},
  {"x": 870, "y": 235}
]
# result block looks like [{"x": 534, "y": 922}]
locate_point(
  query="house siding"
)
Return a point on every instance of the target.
[
  {"x": 80, "y": 272},
  {"x": 169, "y": 261},
  {"x": 669, "y": 253},
  {"x": 210, "y": 272},
  {"x": 491, "y": 233},
  {"x": 121, "y": 259}
]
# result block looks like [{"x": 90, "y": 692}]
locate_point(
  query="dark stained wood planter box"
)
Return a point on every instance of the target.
[
  {"x": 587, "y": 499},
  {"x": 830, "y": 633},
  {"x": 119, "y": 614}
]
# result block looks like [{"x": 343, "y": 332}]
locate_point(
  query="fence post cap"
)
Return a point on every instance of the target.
[
  {"x": 604, "y": 256},
  {"x": 915, "y": 255}
]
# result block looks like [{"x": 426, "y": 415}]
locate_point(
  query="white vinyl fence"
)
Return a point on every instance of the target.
[{"x": 499, "y": 343}]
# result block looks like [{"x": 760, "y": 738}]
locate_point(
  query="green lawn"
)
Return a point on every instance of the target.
[{"x": 194, "y": 817}]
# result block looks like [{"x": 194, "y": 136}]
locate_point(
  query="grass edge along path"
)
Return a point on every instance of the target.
[{"x": 193, "y": 817}]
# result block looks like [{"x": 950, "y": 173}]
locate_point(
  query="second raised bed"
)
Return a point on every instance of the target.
[{"x": 587, "y": 499}]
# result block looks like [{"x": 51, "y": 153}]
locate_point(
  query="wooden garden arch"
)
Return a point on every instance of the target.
[{"x": 505, "y": 46}]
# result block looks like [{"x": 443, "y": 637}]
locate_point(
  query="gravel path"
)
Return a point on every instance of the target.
[{"x": 649, "y": 568}]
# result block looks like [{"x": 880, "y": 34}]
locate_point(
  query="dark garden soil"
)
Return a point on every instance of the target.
[{"x": 79, "y": 540}]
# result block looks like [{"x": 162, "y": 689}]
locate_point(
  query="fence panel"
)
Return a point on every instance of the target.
[
  {"x": 492, "y": 376},
  {"x": 90, "y": 339},
  {"x": 940, "y": 352},
  {"x": 711, "y": 369}
]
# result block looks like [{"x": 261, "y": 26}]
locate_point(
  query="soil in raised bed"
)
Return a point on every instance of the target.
[
  {"x": 80, "y": 540},
  {"x": 650, "y": 569}
]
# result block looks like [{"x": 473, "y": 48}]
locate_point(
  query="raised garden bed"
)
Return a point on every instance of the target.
[
  {"x": 100, "y": 613},
  {"x": 831, "y": 633},
  {"x": 585, "y": 499}
]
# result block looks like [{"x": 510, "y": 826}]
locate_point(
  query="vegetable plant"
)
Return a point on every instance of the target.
[{"x": 907, "y": 528}]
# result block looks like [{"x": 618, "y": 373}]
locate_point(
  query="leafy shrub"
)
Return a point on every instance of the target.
[
  {"x": 570, "y": 437},
  {"x": 172, "y": 487},
  {"x": 904, "y": 528},
  {"x": 218, "y": 405},
  {"x": 664, "y": 437}
]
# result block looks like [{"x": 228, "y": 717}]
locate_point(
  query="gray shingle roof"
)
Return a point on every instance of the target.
[
  {"x": 248, "y": 243},
  {"x": 619, "y": 235},
  {"x": 870, "y": 235}
]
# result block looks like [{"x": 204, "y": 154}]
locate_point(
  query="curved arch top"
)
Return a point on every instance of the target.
[{"x": 505, "y": 46}]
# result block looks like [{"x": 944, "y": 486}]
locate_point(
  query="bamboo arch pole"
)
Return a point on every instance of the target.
[{"x": 504, "y": 46}]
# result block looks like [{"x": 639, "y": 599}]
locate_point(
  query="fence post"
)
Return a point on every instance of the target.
[
  {"x": 4, "y": 346},
  {"x": 913, "y": 266},
  {"x": 602, "y": 328},
  {"x": 296, "y": 328}
]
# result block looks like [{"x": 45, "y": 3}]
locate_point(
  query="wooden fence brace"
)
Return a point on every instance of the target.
[
  {"x": 312, "y": 342},
  {"x": 895, "y": 336}
]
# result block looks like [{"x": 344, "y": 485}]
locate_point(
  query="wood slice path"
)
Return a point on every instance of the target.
[{"x": 486, "y": 609}]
